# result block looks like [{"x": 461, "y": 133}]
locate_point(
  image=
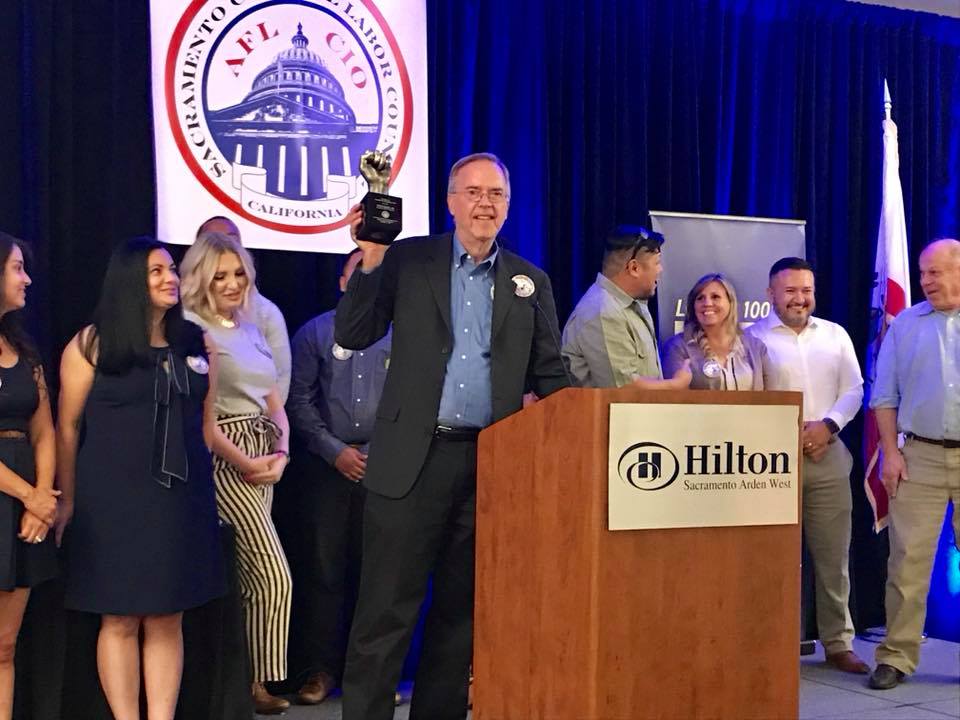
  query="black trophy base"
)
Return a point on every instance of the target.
[{"x": 382, "y": 218}]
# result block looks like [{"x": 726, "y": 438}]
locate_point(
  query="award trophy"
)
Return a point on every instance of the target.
[{"x": 382, "y": 213}]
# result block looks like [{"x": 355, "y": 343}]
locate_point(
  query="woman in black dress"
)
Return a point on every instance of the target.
[
  {"x": 28, "y": 503},
  {"x": 143, "y": 544}
]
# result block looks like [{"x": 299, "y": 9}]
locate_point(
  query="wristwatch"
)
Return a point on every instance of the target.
[{"x": 831, "y": 426}]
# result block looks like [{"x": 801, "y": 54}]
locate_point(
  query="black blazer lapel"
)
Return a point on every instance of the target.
[
  {"x": 437, "y": 270},
  {"x": 503, "y": 293}
]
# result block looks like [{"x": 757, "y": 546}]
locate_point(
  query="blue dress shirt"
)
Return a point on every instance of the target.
[
  {"x": 918, "y": 372},
  {"x": 334, "y": 392},
  {"x": 467, "y": 393}
]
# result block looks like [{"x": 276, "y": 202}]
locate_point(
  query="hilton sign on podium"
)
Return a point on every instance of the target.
[{"x": 674, "y": 466}]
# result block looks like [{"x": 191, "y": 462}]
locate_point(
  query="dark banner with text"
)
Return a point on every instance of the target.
[{"x": 742, "y": 248}]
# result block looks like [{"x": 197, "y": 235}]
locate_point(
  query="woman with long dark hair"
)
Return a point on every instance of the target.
[
  {"x": 28, "y": 503},
  {"x": 144, "y": 542}
]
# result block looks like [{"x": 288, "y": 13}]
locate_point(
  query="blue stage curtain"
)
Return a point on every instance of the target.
[
  {"x": 602, "y": 110},
  {"x": 605, "y": 110}
]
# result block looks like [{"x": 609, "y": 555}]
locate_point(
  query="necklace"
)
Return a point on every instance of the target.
[{"x": 225, "y": 322}]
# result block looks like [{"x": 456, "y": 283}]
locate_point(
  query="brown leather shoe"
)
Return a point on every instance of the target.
[
  {"x": 266, "y": 704},
  {"x": 847, "y": 661},
  {"x": 316, "y": 689}
]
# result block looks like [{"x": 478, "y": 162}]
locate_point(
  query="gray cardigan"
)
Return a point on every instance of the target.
[{"x": 679, "y": 348}]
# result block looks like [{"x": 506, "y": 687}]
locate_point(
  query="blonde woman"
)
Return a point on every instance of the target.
[
  {"x": 250, "y": 445},
  {"x": 721, "y": 356}
]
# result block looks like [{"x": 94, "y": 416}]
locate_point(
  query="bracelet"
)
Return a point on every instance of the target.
[{"x": 285, "y": 452}]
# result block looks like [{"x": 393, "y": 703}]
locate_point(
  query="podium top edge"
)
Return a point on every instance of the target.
[
  {"x": 628, "y": 394},
  {"x": 740, "y": 218}
]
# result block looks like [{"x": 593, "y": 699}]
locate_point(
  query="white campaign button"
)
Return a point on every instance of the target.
[
  {"x": 198, "y": 364},
  {"x": 524, "y": 286},
  {"x": 341, "y": 353}
]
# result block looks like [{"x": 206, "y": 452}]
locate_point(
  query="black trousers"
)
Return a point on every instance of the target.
[
  {"x": 319, "y": 517},
  {"x": 430, "y": 530}
]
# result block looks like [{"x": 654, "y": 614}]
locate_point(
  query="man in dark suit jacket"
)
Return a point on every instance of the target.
[{"x": 474, "y": 327}]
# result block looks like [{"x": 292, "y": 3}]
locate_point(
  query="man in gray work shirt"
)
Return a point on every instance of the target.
[{"x": 609, "y": 339}]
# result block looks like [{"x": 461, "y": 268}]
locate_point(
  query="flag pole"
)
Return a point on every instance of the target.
[{"x": 891, "y": 294}]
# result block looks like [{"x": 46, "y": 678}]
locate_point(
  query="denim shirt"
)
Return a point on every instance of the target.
[
  {"x": 918, "y": 372},
  {"x": 334, "y": 392},
  {"x": 467, "y": 398}
]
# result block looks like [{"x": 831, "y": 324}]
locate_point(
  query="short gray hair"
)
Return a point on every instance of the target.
[{"x": 474, "y": 157}]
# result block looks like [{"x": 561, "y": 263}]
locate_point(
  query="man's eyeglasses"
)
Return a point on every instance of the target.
[{"x": 474, "y": 194}]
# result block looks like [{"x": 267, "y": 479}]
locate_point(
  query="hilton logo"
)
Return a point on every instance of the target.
[
  {"x": 652, "y": 466},
  {"x": 648, "y": 466}
]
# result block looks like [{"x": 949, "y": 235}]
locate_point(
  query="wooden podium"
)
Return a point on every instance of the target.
[{"x": 575, "y": 622}]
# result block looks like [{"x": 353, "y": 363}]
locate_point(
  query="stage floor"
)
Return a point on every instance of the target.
[{"x": 933, "y": 693}]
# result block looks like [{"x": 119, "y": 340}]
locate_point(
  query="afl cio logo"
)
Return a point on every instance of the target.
[
  {"x": 272, "y": 102},
  {"x": 648, "y": 466}
]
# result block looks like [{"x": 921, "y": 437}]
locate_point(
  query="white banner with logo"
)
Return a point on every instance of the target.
[
  {"x": 262, "y": 109},
  {"x": 742, "y": 248},
  {"x": 673, "y": 466}
]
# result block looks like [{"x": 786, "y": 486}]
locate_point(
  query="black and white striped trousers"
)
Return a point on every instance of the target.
[{"x": 265, "y": 583}]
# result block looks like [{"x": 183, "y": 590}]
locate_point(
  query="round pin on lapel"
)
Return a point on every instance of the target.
[
  {"x": 341, "y": 353},
  {"x": 524, "y": 286},
  {"x": 712, "y": 368},
  {"x": 198, "y": 364}
]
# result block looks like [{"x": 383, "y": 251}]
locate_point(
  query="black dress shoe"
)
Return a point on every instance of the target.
[{"x": 885, "y": 677}]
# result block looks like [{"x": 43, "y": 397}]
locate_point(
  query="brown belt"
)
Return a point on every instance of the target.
[
  {"x": 16, "y": 434},
  {"x": 948, "y": 444}
]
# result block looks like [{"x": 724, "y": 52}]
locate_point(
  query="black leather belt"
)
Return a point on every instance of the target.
[
  {"x": 445, "y": 432},
  {"x": 948, "y": 444}
]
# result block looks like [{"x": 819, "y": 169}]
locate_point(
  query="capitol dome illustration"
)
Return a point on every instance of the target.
[{"x": 296, "y": 123}]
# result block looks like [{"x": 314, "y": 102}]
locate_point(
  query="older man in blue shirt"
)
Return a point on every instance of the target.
[
  {"x": 917, "y": 393},
  {"x": 474, "y": 327}
]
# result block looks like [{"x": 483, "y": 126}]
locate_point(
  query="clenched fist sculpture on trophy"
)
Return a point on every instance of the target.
[{"x": 382, "y": 213}]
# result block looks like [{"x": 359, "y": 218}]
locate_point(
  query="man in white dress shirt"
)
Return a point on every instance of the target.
[{"x": 816, "y": 356}]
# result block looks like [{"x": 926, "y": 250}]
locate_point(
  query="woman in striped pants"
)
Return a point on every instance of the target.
[{"x": 250, "y": 446}]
